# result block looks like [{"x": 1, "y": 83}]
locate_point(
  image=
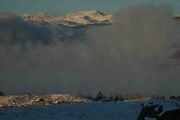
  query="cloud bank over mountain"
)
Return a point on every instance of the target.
[{"x": 134, "y": 54}]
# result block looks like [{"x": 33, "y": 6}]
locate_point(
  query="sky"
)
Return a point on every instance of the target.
[{"x": 62, "y": 7}]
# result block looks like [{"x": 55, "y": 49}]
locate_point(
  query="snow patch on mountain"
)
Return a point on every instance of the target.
[{"x": 74, "y": 19}]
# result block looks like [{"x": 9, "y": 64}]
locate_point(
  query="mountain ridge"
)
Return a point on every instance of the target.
[{"x": 74, "y": 19}]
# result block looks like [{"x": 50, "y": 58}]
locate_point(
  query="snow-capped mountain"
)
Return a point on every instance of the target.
[{"x": 74, "y": 19}]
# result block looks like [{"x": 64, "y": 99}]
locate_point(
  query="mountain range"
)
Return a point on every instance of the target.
[{"x": 74, "y": 19}]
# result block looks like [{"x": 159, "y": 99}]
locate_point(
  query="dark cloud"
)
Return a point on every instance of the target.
[{"x": 131, "y": 55}]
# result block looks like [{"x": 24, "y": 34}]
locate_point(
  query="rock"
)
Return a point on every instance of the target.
[
  {"x": 56, "y": 102},
  {"x": 47, "y": 104},
  {"x": 39, "y": 100}
]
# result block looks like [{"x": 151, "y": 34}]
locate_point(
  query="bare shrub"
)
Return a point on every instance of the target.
[{"x": 1, "y": 93}]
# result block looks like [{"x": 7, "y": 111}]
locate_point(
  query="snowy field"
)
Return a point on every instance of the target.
[{"x": 127, "y": 110}]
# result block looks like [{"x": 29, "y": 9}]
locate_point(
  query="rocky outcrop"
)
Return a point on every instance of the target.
[
  {"x": 75, "y": 19},
  {"x": 36, "y": 100},
  {"x": 155, "y": 111}
]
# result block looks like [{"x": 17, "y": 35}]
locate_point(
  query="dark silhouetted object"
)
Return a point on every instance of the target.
[
  {"x": 150, "y": 112},
  {"x": 99, "y": 96},
  {"x": 1, "y": 93}
]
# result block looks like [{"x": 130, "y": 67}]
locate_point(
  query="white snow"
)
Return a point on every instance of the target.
[{"x": 127, "y": 110}]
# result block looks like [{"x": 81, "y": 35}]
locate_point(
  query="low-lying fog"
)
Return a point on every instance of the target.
[{"x": 137, "y": 53}]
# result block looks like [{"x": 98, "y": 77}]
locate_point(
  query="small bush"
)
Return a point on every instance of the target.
[
  {"x": 1, "y": 93},
  {"x": 99, "y": 96}
]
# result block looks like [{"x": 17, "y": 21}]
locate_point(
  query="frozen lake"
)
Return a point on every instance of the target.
[{"x": 127, "y": 110}]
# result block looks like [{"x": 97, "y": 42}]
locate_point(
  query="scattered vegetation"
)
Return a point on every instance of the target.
[
  {"x": 100, "y": 96},
  {"x": 174, "y": 97}
]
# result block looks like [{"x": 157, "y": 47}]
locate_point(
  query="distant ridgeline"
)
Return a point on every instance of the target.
[{"x": 75, "y": 19}]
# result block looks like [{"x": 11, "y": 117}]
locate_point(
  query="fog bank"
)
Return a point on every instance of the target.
[{"x": 134, "y": 54}]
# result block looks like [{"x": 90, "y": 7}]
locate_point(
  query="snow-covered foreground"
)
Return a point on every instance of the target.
[{"x": 127, "y": 110}]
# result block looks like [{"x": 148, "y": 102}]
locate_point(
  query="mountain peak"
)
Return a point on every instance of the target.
[{"x": 74, "y": 19}]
